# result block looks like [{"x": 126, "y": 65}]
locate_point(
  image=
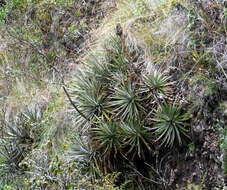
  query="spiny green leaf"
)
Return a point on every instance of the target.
[{"x": 170, "y": 125}]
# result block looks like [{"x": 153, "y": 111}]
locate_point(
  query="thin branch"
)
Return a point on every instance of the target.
[
  {"x": 75, "y": 107},
  {"x": 132, "y": 166}
]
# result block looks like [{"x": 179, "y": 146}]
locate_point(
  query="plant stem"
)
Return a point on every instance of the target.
[
  {"x": 119, "y": 32},
  {"x": 75, "y": 107}
]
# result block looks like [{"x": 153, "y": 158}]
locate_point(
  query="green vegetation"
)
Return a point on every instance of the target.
[
  {"x": 125, "y": 102},
  {"x": 84, "y": 106},
  {"x": 171, "y": 125},
  {"x": 136, "y": 137},
  {"x": 157, "y": 83},
  {"x": 116, "y": 112}
]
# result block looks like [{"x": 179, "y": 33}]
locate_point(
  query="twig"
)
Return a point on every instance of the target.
[
  {"x": 75, "y": 107},
  {"x": 132, "y": 166}
]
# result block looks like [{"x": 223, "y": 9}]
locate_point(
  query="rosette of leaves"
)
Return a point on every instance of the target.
[
  {"x": 33, "y": 117},
  {"x": 112, "y": 62},
  {"x": 98, "y": 69},
  {"x": 136, "y": 137},
  {"x": 156, "y": 85},
  {"x": 14, "y": 145},
  {"x": 16, "y": 135},
  {"x": 88, "y": 160},
  {"x": 170, "y": 125},
  {"x": 89, "y": 97},
  {"x": 108, "y": 136},
  {"x": 107, "y": 141},
  {"x": 126, "y": 102}
]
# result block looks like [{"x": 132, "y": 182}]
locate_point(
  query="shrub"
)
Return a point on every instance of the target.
[{"x": 116, "y": 104}]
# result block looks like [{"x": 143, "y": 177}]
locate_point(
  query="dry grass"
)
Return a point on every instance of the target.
[{"x": 154, "y": 25}]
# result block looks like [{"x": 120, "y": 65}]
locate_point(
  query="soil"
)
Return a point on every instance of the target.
[{"x": 202, "y": 163}]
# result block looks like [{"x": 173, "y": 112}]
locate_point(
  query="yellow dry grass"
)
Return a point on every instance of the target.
[
  {"x": 139, "y": 19},
  {"x": 150, "y": 24}
]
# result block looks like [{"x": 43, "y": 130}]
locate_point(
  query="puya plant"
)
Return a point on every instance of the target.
[
  {"x": 86, "y": 158},
  {"x": 125, "y": 101},
  {"x": 136, "y": 138},
  {"x": 170, "y": 125},
  {"x": 19, "y": 136},
  {"x": 156, "y": 84},
  {"x": 117, "y": 96},
  {"x": 108, "y": 137},
  {"x": 15, "y": 142},
  {"x": 90, "y": 98}
]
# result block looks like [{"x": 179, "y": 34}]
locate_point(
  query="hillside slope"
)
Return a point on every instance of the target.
[{"x": 113, "y": 94}]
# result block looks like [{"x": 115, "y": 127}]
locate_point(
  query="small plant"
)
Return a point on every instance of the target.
[
  {"x": 33, "y": 118},
  {"x": 13, "y": 148},
  {"x": 86, "y": 158},
  {"x": 18, "y": 138},
  {"x": 90, "y": 99},
  {"x": 99, "y": 70},
  {"x": 10, "y": 155},
  {"x": 33, "y": 115},
  {"x": 137, "y": 137},
  {"x": 80, "y": 150},
  {"x": 157, "y": 83},
  {"x": 108, "y": 137},
  {"x": 126, "y": 103},
  {"x": 170, "y": 125}
]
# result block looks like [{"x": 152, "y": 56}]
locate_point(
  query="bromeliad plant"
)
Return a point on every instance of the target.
[
  {"x": 98, "y": 69},
  {"x": 156, "y": 84},
  {"x": 90, "y": 99},
  {"x": 108, "y": 136},
  {"x": 107, "y": 141},
  {"x": 118, "y": 98},
  {"x": 136, "y": 137},
  {"x": 125, "y": 102},
  {"x": 170, "y": 125},
  {"x": 107, "y": 90},
  {"x": 87, "y": 158},
  {"x": 16, "y": 141}
]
